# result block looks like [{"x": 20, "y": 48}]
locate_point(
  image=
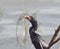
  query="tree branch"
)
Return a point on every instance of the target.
[
  {"x": 53, "y": 43},
  {"x": 55, "y": 35}
]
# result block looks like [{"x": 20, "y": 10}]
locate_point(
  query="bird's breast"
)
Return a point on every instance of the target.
[{"x": 34, "y": 37}]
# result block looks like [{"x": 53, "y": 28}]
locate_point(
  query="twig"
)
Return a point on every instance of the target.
[
  {"x": 17, "y": 30},
  {"x": 55, "y": 35},
  {"x": 16, "y": 33},
  {"x": 53, "y": 43}
]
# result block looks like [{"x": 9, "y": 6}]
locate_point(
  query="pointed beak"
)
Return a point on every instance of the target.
[{"x": 28, "y": 17}]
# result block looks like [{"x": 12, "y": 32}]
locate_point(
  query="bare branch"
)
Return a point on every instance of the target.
[
  {"x": 53, "y": 43},
  {"x": 55, "y": 35}
]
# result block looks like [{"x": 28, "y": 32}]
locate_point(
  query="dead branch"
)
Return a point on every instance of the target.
[
  {"x": 53, "y": 43},
  {"x": 55, "y": 35}
]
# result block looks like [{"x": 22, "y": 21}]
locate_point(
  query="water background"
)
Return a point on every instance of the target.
[{"x": 48, "y": 17}]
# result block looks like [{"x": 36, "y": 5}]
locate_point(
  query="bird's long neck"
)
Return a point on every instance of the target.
[{"x": 34, "y": 24}]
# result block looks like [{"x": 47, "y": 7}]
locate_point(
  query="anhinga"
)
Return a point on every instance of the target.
[{"x": 35, "y": 38}]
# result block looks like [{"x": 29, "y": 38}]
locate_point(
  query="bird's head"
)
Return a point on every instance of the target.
[
  {"x": 27, "y": 17},
  {"x": 33, "y": 22}
]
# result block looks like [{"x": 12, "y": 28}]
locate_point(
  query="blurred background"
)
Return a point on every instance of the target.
[{"x": 48, "y": 17}]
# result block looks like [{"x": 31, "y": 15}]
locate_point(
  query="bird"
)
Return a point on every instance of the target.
[{"x": 33, "y": 35}]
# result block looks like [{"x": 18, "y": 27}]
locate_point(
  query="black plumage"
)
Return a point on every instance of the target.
[{"x": 34, "y": 36}]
